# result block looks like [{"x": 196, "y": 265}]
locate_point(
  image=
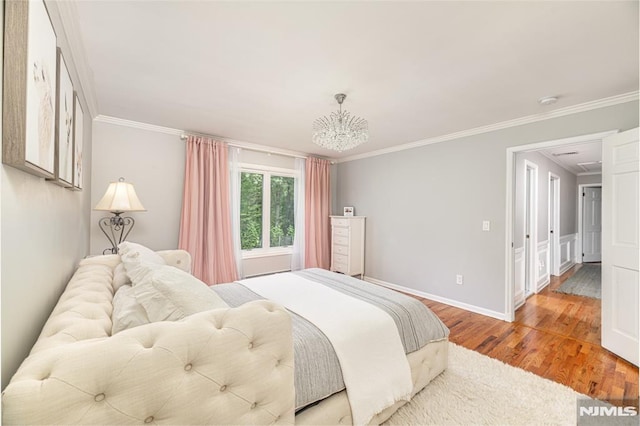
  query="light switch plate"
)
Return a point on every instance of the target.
[{"x": 486, "y": 225}]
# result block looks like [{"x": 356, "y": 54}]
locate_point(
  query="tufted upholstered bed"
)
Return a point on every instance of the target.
[{"x": 223, "y": 366}]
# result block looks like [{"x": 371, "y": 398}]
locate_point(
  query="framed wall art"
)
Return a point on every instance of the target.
[
  {"x": 64, "y": 125},
  {"x": 78, "y": 129},
  {"x": 29, "y": 97}
]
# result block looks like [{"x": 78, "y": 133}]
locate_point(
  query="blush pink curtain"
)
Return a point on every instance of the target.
[
  {"x": 205, "y": 225},
  {"x": 317, "y": 208}
]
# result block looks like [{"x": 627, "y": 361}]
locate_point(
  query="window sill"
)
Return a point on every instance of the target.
[{"x": 253, "y": 254}]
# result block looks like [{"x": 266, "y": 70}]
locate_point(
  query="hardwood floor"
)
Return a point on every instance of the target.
[{"x": 556, "y": 336}]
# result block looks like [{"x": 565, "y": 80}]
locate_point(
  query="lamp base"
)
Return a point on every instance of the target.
[{"x": 116, "y": 229}]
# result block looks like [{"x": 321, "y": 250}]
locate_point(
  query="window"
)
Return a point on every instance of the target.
[{"x": 266, "y": 209}]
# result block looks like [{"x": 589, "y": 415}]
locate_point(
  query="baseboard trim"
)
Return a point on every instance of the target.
[{"x": 440, "y": 299}]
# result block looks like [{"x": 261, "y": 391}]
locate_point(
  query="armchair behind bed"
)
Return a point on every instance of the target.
[{"x": 224, "y": 366}]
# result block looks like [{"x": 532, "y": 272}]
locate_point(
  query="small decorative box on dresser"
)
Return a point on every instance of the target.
[{"x": 347, "y": 245}]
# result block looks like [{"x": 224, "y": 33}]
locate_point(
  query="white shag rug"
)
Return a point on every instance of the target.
[{"x": 478, "y": 390}]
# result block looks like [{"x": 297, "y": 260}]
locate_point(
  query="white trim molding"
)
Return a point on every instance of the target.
[
  {"x": 177, "y": 132},
  {"x": 519, "y": 271},
  {"x": 543, "y": 274},
  {"x": 560, "y": 112},
  {"x": 568, "y": 252},
  {"x": 446, "y": 301}
]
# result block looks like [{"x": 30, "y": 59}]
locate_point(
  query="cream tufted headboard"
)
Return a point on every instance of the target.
[{"x": 225, "y": 366}]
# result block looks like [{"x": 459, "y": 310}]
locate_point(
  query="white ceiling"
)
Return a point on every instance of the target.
[
  {"x": 583, "y": 158},
  {"x": 261, "y": 72}
]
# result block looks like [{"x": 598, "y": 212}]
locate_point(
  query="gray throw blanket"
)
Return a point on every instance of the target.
[{"x": 317, "y": 370}]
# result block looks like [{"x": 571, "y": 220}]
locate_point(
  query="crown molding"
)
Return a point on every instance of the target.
[
  {"x": 588, "y": 106},
  {"x": 574, "y": 109},
  {"x": 177, "y": 132},
  {"x": 138, "y": 125},
  {"x": 69, "y": 18}
]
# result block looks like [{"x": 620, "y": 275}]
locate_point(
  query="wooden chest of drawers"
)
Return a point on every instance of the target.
[{"x": 347, "y": 245}]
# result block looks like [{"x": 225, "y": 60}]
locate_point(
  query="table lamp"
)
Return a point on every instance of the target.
[{"x": 120, "y": 198}]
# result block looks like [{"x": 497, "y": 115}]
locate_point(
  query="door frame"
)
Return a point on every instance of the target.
[
  {"x": 554, "y": 224},
  {"x": 510, "y": 207},
  {"x": 581, "y": 188}
]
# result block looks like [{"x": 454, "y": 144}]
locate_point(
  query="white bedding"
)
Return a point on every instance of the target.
[{"x": 365, "y": 338}]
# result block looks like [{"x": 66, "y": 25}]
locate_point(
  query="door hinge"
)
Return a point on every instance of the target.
[
  {"x": 582, "y": 254},
  {"x": 583, "y": 194}
]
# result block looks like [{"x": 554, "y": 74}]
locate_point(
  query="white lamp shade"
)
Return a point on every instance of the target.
[{"x": 120, "y": 197}]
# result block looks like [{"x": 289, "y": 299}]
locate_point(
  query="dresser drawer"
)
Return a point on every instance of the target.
[
  {"x": 337, "y": 249},
  {"x": 339, "y": 222},
  {"x": 340, "y": 258},
  {"x": 341, "y": 267},
  {"x": 340, "y": 231},
  {"x": 343, "y": 241}
]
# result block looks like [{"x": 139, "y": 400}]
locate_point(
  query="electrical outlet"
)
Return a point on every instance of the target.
[{"x": 459, "y": 279}]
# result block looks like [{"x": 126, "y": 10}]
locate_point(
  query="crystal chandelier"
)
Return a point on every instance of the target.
[{"x": 340, "y": 131}]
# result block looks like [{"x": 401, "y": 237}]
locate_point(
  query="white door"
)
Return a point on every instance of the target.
[
  {"x": 591, "y": 224},
  {"x": 530, "y": 228},
  {"x": 620, "y": 244},
  {"x": 554, "y": 224}
]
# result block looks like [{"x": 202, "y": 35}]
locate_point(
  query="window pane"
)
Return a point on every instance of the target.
[
  {"x": 251, "y": 211},
  {"x": 282, "y": 227}
]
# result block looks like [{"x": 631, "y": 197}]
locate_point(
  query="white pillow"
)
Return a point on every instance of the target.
[
  {"x": 138, "y": 260},
  {"x": 127, "y": 312},
  {"x": 169, "y": 294},
  {"x": 120, "y": 277}
]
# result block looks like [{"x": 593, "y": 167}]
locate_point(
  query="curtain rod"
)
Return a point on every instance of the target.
[{"x": 249, "y": 146}]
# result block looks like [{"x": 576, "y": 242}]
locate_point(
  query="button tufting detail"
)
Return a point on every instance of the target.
[
  {"x": 223, "y": 388},
  {"x": 250, "y": 345},
  {"x": 148, "y": 419},
  {"x": 99, "y": 397},
  {"x": 178, "y": 262},
  {"x": 188, "y": 367},
  {"x": 254, "y": 405}
]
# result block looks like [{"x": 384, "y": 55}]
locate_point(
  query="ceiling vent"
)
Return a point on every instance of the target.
[{"x": 560, "y": 154}]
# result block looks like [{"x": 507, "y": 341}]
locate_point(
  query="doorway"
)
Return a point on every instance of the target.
[
  {"x": 515, "y": 275},
  {"x": 590, "y": 222},
  {"x": 554, "y": 223},
  {"x": 530, "y": 226}
]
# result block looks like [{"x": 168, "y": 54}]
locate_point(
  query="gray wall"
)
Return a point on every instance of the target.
[
  {"x": 45, "y": 232},
  {"x": 568, "y": 197},
  {"x": 425, "y": 206},
  {"x": 154, "y": 163}
]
